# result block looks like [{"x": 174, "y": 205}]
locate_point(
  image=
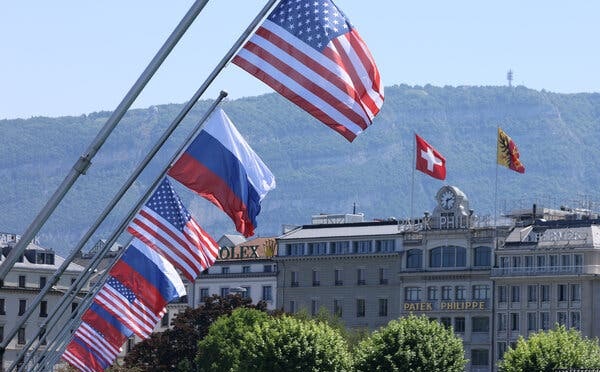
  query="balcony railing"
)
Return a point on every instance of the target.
[{"x": 545, "y": 270}]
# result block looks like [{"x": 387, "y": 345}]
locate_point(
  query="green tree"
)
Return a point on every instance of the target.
[
  {"x": 176, "y": 348},
  {"x": 289, "y": 344},
  {"x": 221, "y": 349},
  {"x": 550, "y": 350},
  {"x": 413, "y": 344}
]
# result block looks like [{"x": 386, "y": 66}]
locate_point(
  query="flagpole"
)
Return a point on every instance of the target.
[
  {"x": 412, "y": 183},
  {"x": 84, "y": 161},
  {"x": 237, "y": 45},
  {"x": 80, "y": 282}
]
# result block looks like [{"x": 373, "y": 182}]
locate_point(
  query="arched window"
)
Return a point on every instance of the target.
[
  {"x": 448, "y": 257},
  {"x": 414, "y": 259},
  {"x": 482, "y": 256}
]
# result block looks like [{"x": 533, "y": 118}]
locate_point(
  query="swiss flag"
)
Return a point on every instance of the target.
[{"x": 429, "y": 161}]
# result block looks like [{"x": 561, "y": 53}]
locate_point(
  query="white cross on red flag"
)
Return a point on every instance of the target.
[{"x": 429, "y": 160}]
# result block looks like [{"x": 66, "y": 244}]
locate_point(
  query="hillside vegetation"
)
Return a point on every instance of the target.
[{"x": 317, "y": 170}]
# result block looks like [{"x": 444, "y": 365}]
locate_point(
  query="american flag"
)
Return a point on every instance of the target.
[
  {"x": 165, "y": 225},
  {"x": 96, "y": 341},
  {"x": 123, "y": 303},
  {"x": 309, "y": 52}
]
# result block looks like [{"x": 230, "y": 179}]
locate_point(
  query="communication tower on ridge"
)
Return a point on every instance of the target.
[{"x": 509, "y": 77}]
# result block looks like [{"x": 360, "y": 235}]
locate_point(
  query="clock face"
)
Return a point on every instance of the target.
[{"x": 447, "y": 199}]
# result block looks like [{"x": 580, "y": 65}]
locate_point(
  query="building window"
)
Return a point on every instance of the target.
[
  {"x": 481, "y": 292},
  {"x": 360, "y": 276},
  {"x": 317, "y": 249},
  {"x": 460, "y": 292},
  {"x": 1, "y": 333},
  {"x": 446, "y": 292},
  {"x": 578, "y": 260},
  {"x": 502, "y": 293},
  {"x": 383, "y": 275},
  {"x": 541, "y": 261},
  {"x": 21, "y": 281},
  {"x": 516, "y": 261},
  {"x": 501, "y": 322},
  {"x": 515, "y": 293},
  {"x": 459, "y": 324},
  {"x": 245, "y": 269},
  {"x": 42, "y": 282},
  {"x": 562, "y": 292},
  {"x": 21, "y": 336},
  {"x": 545, "y": 292},
  {"x": 576, "y": 320},
  {"x": 480, "y": 357},
  {"x": 482, "y": 256},
  {"x": 565, "y": 260},
  {"x": 412, "y": 294},
  {"x": 385, "y": 246},
  {"x": 528, "y": 261},
  {"x": 532, "y": 293},
  {"x": 360, "y": 308},
  {"x": 337, "y": 308},
  {"x": 514, "y": 322},
  {"x": 480, "y": 323},
  {"x": 43, "y": 309},
  {"x": 2, "y": 306},
  {"x": 337, "y": 277},
  {"x": 292, "y": 306},
  {"x": 432, "y": 293},
  {"x": 267, "y": 268},
  {"x": 553, "y": 260},
  {"x": 340, "y": 247},
  {"x": 501, "y": 349},
  {"x": 414, "y": 259},
  {"x": 22, "y": 306},
  {"x": 503, "y": 261},
  {"x": 448, "y": 257},
  {"x": 225, "y": 270},
  {"x": 383, "y": 307},
  {"x": 315, "y": 278},
  {"x": 532, "y": 322},
  {"x": 130, "y": 343},
  {"x": 246, "y": 293},
  {"x": 561, "y": 318},
  {"x": 294, "y": 279},
  {"x": 314, "y": 307},
  {"x": 545, "y": 320},
  {"x": 203, "y": 294},
  {"x": 575, "y": 292},
  {"x": 446, "y": 321},
  {"x": 267, "y": 293},
  {"x": 363, "y": 246},
  {"x": 224, "y": 291},
  {"x": 164, "y": 321}
]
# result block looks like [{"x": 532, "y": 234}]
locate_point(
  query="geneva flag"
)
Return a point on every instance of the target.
[
  {"x": 508, "y": 153},
  {"x": 220, "y": 166},
  {"x": 309, "y": 52}
]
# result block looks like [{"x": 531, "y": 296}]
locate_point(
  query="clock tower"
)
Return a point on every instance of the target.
[{"x": 452, "y": 209}]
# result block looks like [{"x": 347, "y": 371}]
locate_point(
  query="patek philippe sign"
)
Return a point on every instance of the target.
[{"x": 446, "y": 305}]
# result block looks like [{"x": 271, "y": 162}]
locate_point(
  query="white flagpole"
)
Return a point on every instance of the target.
[{"x": 412, "y": 183}]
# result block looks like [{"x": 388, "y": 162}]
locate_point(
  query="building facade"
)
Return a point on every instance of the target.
[
  {"x": 547, "y": 273},
  {"x": 20, "y": 287},
  {"x": 369, "y": 273}
]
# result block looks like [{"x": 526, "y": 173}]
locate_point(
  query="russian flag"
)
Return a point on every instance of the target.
[{"x": 220, "y": 166}]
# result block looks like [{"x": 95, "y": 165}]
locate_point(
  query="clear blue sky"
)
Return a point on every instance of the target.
[{"x": 68, "y": 57}]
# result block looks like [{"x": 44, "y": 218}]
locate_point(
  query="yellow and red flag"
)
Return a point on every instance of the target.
[{"x": 508, "y": 153}]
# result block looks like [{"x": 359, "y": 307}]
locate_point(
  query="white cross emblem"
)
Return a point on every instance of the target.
[{"x": 431, "y": 159}]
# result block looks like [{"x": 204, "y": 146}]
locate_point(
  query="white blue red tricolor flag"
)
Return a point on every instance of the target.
[
  {"x": 165, "y": 225},
  {"x": 220, "y": 166},
  {"x": 309, "y": 52}
]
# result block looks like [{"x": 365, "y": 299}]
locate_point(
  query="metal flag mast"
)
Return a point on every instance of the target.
[
  {"x": 54, "y": 317},
  {"x": 84, "y": 161},
  {"x": 208, "y": 81},
  {"x": 99, "y": 255}
]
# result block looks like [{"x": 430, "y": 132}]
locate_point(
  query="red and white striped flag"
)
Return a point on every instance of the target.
[{"x": 309, "y": 52}]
